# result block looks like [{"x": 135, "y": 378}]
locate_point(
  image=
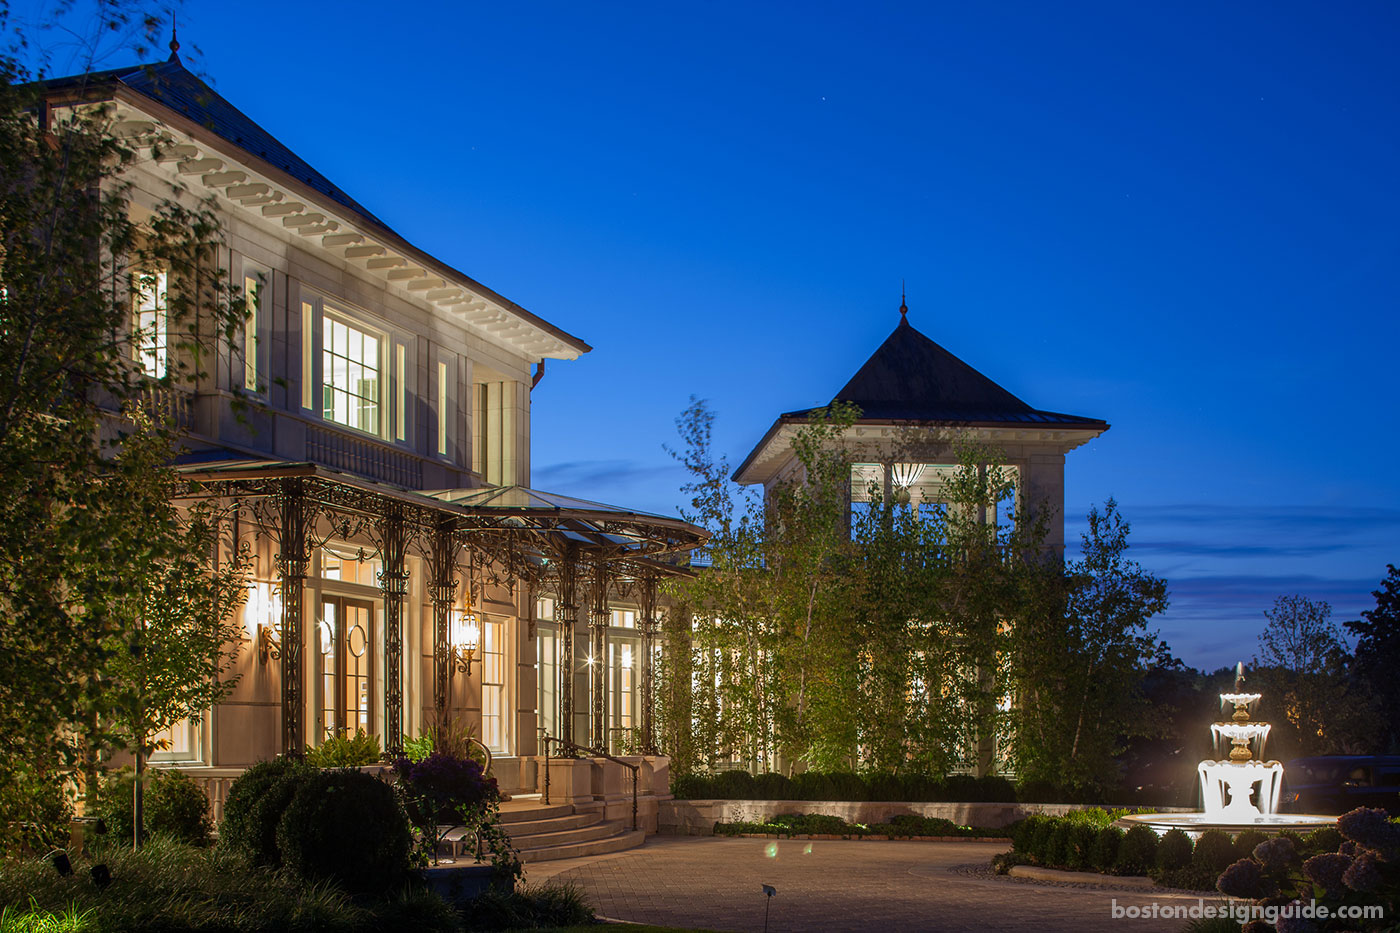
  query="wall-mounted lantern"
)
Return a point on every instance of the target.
[
  {"x": 466, "y": 638},
  {"x": 262, "y": 617}
]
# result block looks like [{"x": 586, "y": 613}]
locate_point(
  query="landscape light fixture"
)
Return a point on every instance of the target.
[
  {"x": 768, "y": 891},
  {"x": 101, "y": 875},
  {"x": 466, "y": 638},
  {"x": 61, "y": 863}
]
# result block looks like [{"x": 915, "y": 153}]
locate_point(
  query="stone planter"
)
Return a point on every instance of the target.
[{"x": 458, "y": 882}]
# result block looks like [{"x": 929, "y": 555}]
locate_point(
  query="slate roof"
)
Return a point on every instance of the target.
[
  {"x": 172, "y": 84},
  {"x": 912, "y": 378}
]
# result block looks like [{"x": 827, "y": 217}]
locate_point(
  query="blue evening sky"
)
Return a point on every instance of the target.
[{"x": 1181, "y": 218}]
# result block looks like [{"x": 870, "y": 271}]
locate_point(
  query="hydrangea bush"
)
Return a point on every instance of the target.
[
  {"x": 1363, "y": 872},
  {"x": 442, "y": 792}
]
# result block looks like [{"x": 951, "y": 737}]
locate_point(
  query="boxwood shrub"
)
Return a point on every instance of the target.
[
  {"x": 1215, "y": 851},
  {"x": 1137, "y": 853},
  {"x": 1174, "y": 851},
  {"x": 346, "y": 826},
  {"x": 254, "y": 807},
  {"x": 1104, "y": 856}
]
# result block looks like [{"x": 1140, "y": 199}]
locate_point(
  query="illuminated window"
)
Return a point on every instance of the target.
[
  {"x": 253, "y": 301},
  {"x": 493, "y": 690},
  {"x": 350, "y": 375},
  {"x": 152, "y": 323},
  {"x": 178, "y": 743},
  {"x": 442, "y": 408}
]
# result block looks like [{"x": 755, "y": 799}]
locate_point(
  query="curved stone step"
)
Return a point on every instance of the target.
[
  {"x": 630, "y": 839},
  {"x": 565, "y": 835},
  {"x": 552, "y": 824},
  {"x": 524, "y": 814}
]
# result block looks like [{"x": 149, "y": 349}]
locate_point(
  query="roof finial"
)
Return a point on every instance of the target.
[
  {"x": 174, "y": 41},
  {"x": 903, "y": 307}
]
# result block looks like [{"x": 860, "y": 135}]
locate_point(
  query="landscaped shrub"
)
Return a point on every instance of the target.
[
  {"x": 254, "y": 806},
  {"x": 734, "y": 785},
  {"x": 692, "y": 787},
  {"x": 346, "y": 826},
  {"x": 172, "y": 804},
  {"x": 884, "y": 786},
  {"x": 1245, "y": 842},
  {"x": 811, "y": 785},
  {"x": 1174, "y": 851},
  {"x": 1319, "y": 841},
  {"x": 1104, "y": 856},
  {"x": 919, "y": 788},
  {"x": 1023, "y": 832},
  {"x": 1081, "y": 846},
  {"x": 1059, "y": 846},
  {"x": 342, "y": 751},
  {"x": 770, "y": 786},
  {"x": 1137, "y": 853},
  {"x": 35, "y": 810},
  {"x": 848, "y": 786},
  {"x": 1039, "y": 843},
  {"x": 1215, "y": 851}
]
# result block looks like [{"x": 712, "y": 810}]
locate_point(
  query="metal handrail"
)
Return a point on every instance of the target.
[{"x": 546, "y": 739}]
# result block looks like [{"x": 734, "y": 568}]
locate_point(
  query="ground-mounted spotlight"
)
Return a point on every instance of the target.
[
  {"x": 101, "y": 875},
  {"x": 61, "y": 863}
]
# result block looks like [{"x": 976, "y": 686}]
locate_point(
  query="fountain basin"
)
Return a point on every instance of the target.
[{"x": 1193, "y": 824}]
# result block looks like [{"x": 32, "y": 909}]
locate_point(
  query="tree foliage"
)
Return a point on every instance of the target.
[
  {"x": 79, "y": 535},
  {"x": 895, "y": 636},
  {"x": 1378, "y": 655}
]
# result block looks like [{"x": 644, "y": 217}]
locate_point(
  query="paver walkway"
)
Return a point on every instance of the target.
[{"x": 714, "y": 883}]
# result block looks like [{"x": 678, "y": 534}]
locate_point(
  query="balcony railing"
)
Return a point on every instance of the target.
[{"x": 363, "y": 456}]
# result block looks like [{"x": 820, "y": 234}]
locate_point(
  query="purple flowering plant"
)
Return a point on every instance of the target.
[
  {"x": 1363, "y": 871},
  {"x": 443, "y": 792}
]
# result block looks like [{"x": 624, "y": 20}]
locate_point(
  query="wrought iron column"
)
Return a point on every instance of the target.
[
  {"x": 598, "y": 648},
  {"x": 393, "y": 586},
  {"x": 442, "y": 590},
  {"x": 566, "y": 612},
  {"x": 648, "y": 627},
  {"x": 294, "y": 517}
]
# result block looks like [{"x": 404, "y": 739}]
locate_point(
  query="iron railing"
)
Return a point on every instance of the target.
[{"x": 546, "y": 740}]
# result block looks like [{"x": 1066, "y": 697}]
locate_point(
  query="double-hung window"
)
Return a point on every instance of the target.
[
  {"x": 352, "y": 377},
  {"x": 255, "y": 299},
  {"x": 152, "y": 319}
]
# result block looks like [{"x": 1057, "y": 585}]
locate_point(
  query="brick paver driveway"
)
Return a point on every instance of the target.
[{"x": 714, "y": 883}]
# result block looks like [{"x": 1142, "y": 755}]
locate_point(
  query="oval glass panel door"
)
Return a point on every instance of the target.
[{"x": 347, "y": 667}]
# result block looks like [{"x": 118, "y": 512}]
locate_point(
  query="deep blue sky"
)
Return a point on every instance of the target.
[{"x": 1180, "y": 217}]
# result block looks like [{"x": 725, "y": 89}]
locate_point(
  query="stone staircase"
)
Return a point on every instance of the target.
[{"x": 544, "y": 833}]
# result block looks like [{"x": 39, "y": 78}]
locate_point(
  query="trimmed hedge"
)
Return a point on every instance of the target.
[
  {"x": 900, "y": 826},
  {"x": 254, "y": 808},
  {"x": 348, "y": 827},
  {"x": 842, "y": 785}
]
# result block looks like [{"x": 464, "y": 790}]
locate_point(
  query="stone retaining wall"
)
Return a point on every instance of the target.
[{"x": 698, "y": 817}]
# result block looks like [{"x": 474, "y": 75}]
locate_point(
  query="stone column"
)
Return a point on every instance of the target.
[
  {"x": 393, "y": 586},
  {"x": 598, "y": 646},
  {"x": 294, "y": 518}
]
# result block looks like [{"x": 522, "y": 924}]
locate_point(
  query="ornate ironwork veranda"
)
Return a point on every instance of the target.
[{"x": 580, "y": 551}]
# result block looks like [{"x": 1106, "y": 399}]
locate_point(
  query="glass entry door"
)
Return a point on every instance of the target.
[{"x": 346, "y": 635}]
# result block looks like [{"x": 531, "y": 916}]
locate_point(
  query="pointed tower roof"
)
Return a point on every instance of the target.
[{"x": 912, "y": 379}]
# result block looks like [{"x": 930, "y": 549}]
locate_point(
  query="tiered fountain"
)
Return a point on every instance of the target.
[{"x": 1228, "y": 786}]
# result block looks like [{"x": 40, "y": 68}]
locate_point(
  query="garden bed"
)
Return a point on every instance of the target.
[{"x": 826, "y": 826}]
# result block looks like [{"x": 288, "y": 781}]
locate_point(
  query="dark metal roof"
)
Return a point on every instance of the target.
[
  {"x": 174, "y": 87},
  {"x": 172, "y": 84},
  {"x": 911, "y": 378}
]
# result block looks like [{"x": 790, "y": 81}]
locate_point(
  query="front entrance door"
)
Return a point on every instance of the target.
[{"x": 347, "y": 665}]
